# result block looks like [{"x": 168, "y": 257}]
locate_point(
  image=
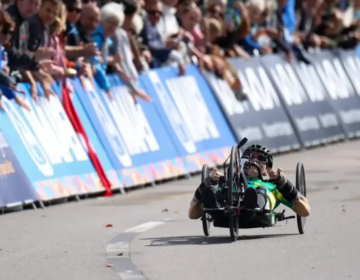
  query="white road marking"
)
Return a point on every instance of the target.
[
  {"x": 114, "y": 249},
  {"x": 144, "y": 227},
  {"x": 130, "y": 275}
]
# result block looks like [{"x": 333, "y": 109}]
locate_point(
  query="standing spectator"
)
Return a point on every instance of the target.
[
  {"x": 122, "y": 56},
  {"x": 112, "y": 18},
  {"x": 74, "y": 48},
  {"x": 19, "y": 57},
  {"x": 7, "y": 83},
  {"x": 161, "y": 52},
  {"x": 39, "y": 34},
  {"x": 56, "y": 28}
]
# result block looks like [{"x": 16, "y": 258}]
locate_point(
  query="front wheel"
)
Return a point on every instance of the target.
[
  {"x": 206, "y": 223},
  {"x": 234, "y": 227},
  {"x": 231, "y": 185},
  {"x": 301, "y": 187}
]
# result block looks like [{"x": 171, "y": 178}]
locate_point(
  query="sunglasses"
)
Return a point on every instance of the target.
[
  {"x": 258, "y": 157},
  {"x": 73, "y": 9}
]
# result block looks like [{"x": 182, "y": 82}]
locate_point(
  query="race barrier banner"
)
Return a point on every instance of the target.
[
  {"x": 261, "y": 118},
  {"x": 48, "y": 148},
  {"x": 351, "y": 64},
  {"x": 133, "y": 136},
  {"x": 191, "y": 121},
  {"x": 341, "y": 93},
  {"x": 15, "y": 187},
  {"x": 305, "y": 101},
  {"x": 191, "y": 115}
]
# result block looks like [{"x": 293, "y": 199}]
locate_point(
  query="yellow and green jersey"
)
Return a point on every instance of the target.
[{"x": 275, "y": 198}]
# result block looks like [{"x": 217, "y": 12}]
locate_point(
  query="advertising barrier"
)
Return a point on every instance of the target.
[
  {"x": 15, "y": 187},
  {"x": 47, "y": 148},
  {"x": 132, "y": 135},
  {"x": 192, "y": 120},
  {"x": 191, "y": 115},
  {"x": 304, "y": 100},
  {"x": 341, "y": 93},
  {"x": 262, "y": 118}
]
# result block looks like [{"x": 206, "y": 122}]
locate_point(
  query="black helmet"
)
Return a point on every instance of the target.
[{"x": 259, "y": 149}]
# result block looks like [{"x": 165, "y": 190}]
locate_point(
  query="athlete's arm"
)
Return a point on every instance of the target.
[
  {"x": 300, "y": 204},
  {"x": 302, "y": 207}
]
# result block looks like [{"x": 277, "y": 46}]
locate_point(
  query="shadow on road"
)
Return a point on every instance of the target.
[{"x": 202, "y": 240}]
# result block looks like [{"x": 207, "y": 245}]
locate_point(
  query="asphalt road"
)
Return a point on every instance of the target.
[{"x": 68, "y": 241}]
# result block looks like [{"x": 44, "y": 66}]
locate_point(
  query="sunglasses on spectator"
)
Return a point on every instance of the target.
[
  {"x": 73, "y": 9},
  {"x": 216, "y": 13},
  {"x": 155, "y": 12}
]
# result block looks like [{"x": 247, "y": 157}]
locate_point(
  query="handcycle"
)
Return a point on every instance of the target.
[{"x": 233, "y": 188}]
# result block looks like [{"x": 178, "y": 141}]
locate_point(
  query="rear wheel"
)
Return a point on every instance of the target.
[
  {"x": 206, "y": 218},
  {"x": 301, "y": 187},
  {"x": 205, "y": 172},
  {"x": 232, "y": 183}
]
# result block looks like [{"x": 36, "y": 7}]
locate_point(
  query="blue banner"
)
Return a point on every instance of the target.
[
  {"x": 48, "y": 148},
  {"x": 341, "y": 93},
  {"x": 261, "y": 118},
  {"x": 312, "y": 115},
  {"x": 132, "y": 135},
  {"x": 191, "y": 115},
  {"x": 15, "y": 187}
]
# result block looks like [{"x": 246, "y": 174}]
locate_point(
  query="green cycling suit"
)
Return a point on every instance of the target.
[{"x": 274, "y": 197}]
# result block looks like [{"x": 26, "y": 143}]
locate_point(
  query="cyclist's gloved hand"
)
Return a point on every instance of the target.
[
  {"x": 215, "y": 175},
  {"x": 276, "y": 176}
]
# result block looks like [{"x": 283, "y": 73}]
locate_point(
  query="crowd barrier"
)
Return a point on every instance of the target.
[{"x": 192, "y": 120}]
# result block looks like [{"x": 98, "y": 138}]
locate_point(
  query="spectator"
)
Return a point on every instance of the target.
[
  {"x": 19, "y": 56},
  {"x": 122, "y": 56},
  {"x": 112, "y": 17},
  {"x": 306, "y": 17},
  {"x": 161, "y": 52},
  {"x": 74, "y": 44},
  {"x": 328, "y": 23},
  {"x": 7, "y": 83},
  {"x": 39, "y": 34},
  {"x": 58, "y": 27}
]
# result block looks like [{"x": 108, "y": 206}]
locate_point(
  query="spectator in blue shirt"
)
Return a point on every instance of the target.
[{"x": 112, "y": 17}]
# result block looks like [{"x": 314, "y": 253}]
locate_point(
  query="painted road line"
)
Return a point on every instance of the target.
[
  {"x": 118, "y": 251},
  {"x": 144, "y": 227}
]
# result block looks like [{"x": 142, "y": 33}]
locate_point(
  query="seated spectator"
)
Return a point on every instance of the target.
[
  {"x": 162, "y": 53},
  {"x": 122, "y": 56}
]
